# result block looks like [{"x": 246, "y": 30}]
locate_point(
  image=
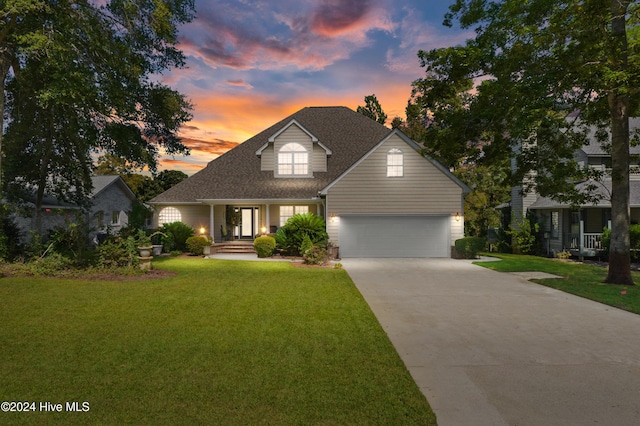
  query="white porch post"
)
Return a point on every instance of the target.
[
  {"x": 268, "y": 225},
  {"x": 581, "y": 236},
  {"x": 211, "y": 223}
]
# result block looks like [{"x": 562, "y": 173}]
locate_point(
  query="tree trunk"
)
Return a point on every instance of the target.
[
  {"x": 619, "y": 251},
  {"x": 5, "y": 64}
]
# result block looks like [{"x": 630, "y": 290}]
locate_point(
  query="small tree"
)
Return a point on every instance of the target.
[{"x": 372, "y": 109}]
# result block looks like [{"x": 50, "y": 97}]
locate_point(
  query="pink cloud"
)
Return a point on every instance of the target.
[
  {"x": 334, "y": 17},
  {"x": 224, "y": 36},
  {"x": 239, "y": 83}
]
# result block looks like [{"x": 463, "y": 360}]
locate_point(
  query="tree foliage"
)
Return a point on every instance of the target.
[
  {"x": 538, "y": 77},
  {"x": 373, "y": 109},
  {"x": 489, "y": 190},
  {"x": 78, "y": 81}
]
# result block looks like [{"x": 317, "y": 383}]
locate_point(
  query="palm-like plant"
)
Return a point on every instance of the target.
[{"x": 290, "y": 236}]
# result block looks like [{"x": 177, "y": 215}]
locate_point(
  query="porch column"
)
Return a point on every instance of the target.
[
  {"x": 211, "y": 223},
  {"x": 581, "y": 237},
  {"x": 268, "y": 219}
]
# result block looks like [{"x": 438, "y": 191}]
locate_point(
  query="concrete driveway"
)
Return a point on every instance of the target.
[{"x": 491, "y": 348}]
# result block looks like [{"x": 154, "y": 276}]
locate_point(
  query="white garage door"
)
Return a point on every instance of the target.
[{"x": 394, "y": 236}]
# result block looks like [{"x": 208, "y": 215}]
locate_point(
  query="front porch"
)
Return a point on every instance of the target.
[
  {"x": 244, "y": 220},
  {"x": 577, "y": 231},
  {"x": 585, "y": 244}
]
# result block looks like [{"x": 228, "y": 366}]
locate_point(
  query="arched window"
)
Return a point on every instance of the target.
[
  {"x": 395, "y": 163},
  {"x": 293, "y": 160},
  {"x": 169, "y": 215}
]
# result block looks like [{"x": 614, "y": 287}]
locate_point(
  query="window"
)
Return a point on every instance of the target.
[
  {"x": 99, "y": 218},
  {"x": 395, "y": 163},
  {"x": 169, "y": 215},
  {"x": 293, "y": 160},
  {"x": 287, "y": 211},
  {"x": 115, "y": 217},
  {"x": 555, "y": 225}
]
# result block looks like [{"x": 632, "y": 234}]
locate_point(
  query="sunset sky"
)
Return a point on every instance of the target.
[{"x": 251, "y": 63}]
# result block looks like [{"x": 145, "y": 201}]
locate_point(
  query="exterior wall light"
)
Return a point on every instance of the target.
[
  {"x": 263, "y": 230},
  {"x": 202, "y": 230},
  {"x": 332, "y": 218},
  {"x": 457, "y": 216}
]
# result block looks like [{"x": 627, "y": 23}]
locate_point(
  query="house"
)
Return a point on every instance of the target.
[
  {"x": 578, "y": 229},
  {"x": 378, "y": 195},
  {"x": 111, "y": 200}
]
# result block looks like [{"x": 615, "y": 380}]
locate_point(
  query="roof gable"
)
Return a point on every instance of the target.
[
  {"x": 293, "y": 122},
  {"x": 102, "y": 182},
  {"x": 415, "y": 147}
]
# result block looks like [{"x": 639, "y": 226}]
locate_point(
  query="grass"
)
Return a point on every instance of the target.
[
  {"x": 222, "y": 342},
  {"x": 580, "y": 279}
]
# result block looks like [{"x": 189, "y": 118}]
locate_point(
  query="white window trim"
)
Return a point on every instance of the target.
[
  {"x": 293, "y": 155},
  {"x": 395, "y": 163},
  {"x": 173, "y": 213},
  {"x": 284, "y": 217}
]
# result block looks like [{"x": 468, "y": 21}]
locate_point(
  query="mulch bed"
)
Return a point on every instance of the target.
[{"x": 153, "y": 274}]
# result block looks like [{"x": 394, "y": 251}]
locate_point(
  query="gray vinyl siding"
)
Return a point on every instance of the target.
[
  {"x": 366, "y": 189},
  {"x": 319, "y": 159},
  {"x": 292, "y": 134},
  {"x": 195, "y": 216},
  {"x": 317, "y": 154},
  {"x": 422, "y": 189},
  {"x": 267, "y": 161}
]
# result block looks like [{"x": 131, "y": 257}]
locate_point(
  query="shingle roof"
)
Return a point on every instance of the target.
[
  {"x": 595, "y": 148},
  {"x": 100, "y": 183},
  {"x": 603, "y": 189},
  {"x": 237, "y": 175}
]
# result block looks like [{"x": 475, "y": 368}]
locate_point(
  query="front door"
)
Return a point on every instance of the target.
[{"x": 246, "y": 222}]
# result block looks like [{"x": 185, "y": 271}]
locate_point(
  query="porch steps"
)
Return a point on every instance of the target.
[{"x": 233, "y": 247}]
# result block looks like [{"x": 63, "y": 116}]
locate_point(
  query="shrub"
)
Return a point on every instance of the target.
[
  {"x": 197, "y": 244},
  {"x": 606, "y": 241},
  {"x": 468, "y": 247},
  {"x": 264, "y": 246},
  {"x": 118, "y": 253},
  {"x": 72, "y": 241},
  {"x": 9, "y": 236},
  {"x": 306, "y": 245},
  {"x": 316, "y": 256},
  {"x": 179, "y": 232},
  {"x": 290, "y": 236},
  {"x": 524, "y": 235},
  {"x": 51, "y": 264},
  {"x": 634, "y": 239}
]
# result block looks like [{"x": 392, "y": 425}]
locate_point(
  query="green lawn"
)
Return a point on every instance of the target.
[
  {"x": 579, "y": 279},
  {"x": 223, "y": 342}
]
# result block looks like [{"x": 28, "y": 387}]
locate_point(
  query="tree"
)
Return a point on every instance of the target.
[
  {"x": 489, "y": 189},
  {"x": 372, "y": 109},
  {"x": 536, "y": 79},
  {"x": 168, "y": 178},
  {"x": 77, "y": 79}
]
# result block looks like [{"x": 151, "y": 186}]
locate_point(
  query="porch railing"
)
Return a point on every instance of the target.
[{"x": 590, "y": 241}]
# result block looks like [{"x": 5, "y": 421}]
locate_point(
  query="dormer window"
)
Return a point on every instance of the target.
[
  {"x": 395, "y": 163},
  {"x": 293, "y": 160}
]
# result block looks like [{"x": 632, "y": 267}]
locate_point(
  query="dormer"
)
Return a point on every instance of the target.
[{"x": 293, "y": 152}]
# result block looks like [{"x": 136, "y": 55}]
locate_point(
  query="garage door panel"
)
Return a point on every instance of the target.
[{"x": 394, "y": 236}]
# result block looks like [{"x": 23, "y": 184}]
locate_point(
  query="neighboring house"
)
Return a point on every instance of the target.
[
  {"x": 111, "y": 200},
  {"x": 379, "y": 196},
  {"x": 578, "y": 229}
]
